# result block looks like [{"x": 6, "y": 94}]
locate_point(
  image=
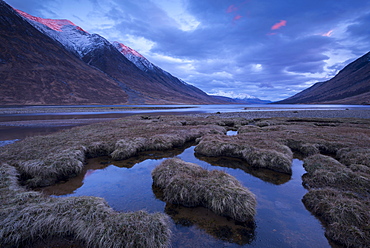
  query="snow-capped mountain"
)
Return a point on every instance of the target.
[
  {"x": 139, "y": 60},
  {"x": 80, "y": 42},
  {"x": 35, "y": 69},
  {"x": 60, "y": 59},
  {"x": 71, "y": 36}
]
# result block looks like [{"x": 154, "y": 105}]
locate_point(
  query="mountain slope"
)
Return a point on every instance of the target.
[
  {"x": 34, "y": 69},
  {"x": 143, "y": 82},
  {"x": 350, "y": 86},
  {"x": 164, "y": 78}
]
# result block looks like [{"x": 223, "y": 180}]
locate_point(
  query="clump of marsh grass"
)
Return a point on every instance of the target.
[
  {"x": 324, "y": 171},
  {"x": 354, "y": 155},
  {"x": 190, "y": 185},
  {"x": 347, "y": 216},
  {"x": 26, "y": 216},
  {"x": 54, "y": 167},
  {"x": 126, "y": 148},
  {"x": 262, "y": 154},
  {"x": 322, "y": 162}
]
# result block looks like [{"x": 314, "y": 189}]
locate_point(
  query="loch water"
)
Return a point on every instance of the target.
[{"x": 281, "y": 220}]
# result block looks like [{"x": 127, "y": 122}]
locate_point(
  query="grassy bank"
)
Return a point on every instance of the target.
[
  {"x": 190, "y": 185},
  {"x": 337, "y": 164}
]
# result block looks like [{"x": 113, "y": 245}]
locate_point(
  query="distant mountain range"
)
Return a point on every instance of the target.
[
  {"x": 350, "y": 86},
  {"x": 246, "y": 100},
  {"x": 46, "y": 61}
]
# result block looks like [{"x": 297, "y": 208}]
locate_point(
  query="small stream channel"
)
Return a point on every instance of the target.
[{"x": 281, "y": 220}]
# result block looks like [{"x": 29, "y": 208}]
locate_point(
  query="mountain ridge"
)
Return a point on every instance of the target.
[
  {"x": 350, "y": 86},
  {"x": 88, "y": 54},
  {"x": 34, "y": 69}
]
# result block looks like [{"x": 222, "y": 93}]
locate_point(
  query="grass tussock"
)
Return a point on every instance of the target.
[
  {"x": 26, "y": 216},
  {"x": 324, "y": 171},
  {"x": 257, "y": 153},
  {"x": 354, "y": 155},
  {"x": 346, "y": 215},
  {"x": 190, "y": 185},
  {"x": 52, "y": 168}
]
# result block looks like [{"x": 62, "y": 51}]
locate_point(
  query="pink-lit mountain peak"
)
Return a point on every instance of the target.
[
  {"x": 125, "y": 50},
  {"x": 54, "y": 24}
]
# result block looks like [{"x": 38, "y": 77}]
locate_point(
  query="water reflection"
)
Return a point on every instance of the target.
[
  {"x": 220, "y": 227},
  {"x": 231, "y": 133},
  {"x": 235, "y": 163},
  {"x": 281, "y": 220}
]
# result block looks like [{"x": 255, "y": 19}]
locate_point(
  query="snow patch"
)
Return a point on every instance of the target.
[
  {"x": 139, "y": 60},
  {"x": 231, "y": 94},
  {"x": 72, "y": 37},
  {"x": 56, "y": 25}
]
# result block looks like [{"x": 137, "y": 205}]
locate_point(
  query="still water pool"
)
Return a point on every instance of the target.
[{"x": 281, "y": 220}]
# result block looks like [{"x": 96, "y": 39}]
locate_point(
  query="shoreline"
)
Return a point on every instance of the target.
[
  {"x": 20, "y": 127},
  {"x": 66, "y": 109},
  {"x": 76, "y": 120}
]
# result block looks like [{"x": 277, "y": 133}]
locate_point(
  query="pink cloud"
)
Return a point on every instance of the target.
[
  {"x": 231, "y": 8},
  {"x": 279, "y": 25},
  {"x": 328, "y": 34},
  {"x": 237, "y": 17}
]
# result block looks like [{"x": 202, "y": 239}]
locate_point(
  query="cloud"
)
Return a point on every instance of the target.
[
  {"x": 278, "y": 25},
  {"x": 328, "y": 34},
  {"x": 231, "y": 8},
  {"x": 237, "y": 17}
]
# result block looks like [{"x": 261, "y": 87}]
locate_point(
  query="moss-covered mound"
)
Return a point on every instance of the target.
[
  {"x": 190, "y": 185},
  {"x": 267, "y": 154}
]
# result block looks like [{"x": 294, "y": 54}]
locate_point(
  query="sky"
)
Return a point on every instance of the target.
[{"x": 268, "y": 49}]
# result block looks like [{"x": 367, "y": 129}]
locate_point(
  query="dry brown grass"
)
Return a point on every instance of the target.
[
  {"x": 44, "y": 161},
  {"x": 190, "y": 185},
  {"x": 257, "y": 153},
  {"x": 266, "y": 143},
  {"x": 346, "y": 215},
  {"x": 26, "y": 216},
  {"x": 324, "y": 171}
]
